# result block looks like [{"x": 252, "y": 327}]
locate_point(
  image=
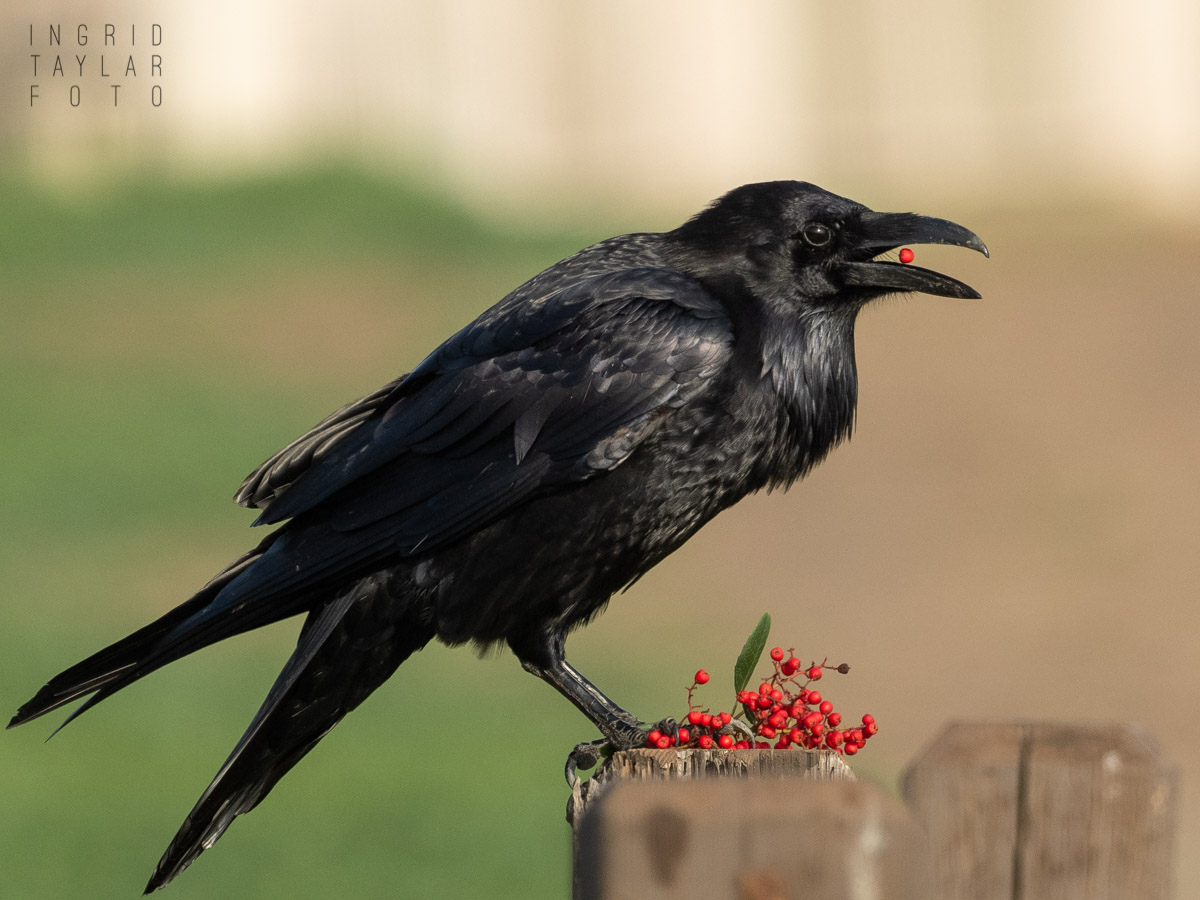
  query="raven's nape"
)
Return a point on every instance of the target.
[{"x": 345, "y": 651}]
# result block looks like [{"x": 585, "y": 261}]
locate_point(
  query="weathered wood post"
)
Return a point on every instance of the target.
[
  {"x": 742, "y": 825},
  {"x": 1030, "y": 811}
]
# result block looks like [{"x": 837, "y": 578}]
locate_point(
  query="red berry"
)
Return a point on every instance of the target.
[
  {"x": 663, "y": 742},
  {"x": 767, "y": 731},
  {"x": 868, "y": 718},
  {"x": 684, "y": 736},
  {"x": 725, "y": 741},
  {"x": 869, "y": 729},
  {"x": 906, "y": 256},
  {"x": 777, "y": 653},
  {"x": 706, "y": 720},
  {"x": 741, "y": 745},
  {"x": 796, "y": 736},
  {"x": 776, "y": 694},
  {"x": 701, "y": 677},
  {"x": 761, "y": 745},
  {"x": 694, "y": 716},
  {"x": 826, "y": 707},
  {"x": 856, "y": 735},
  {"x": 726, "y": 718},
  {"x": 764, "y": 689},
  {"x": 653, "y": 736},
  {"x": 834, "y": 719},
  {"x": 814, "y": 673},
  {"x": 814, "y": 697},
  {"x": 850, "y": 749},
  {"x": 705, "y": 742}
]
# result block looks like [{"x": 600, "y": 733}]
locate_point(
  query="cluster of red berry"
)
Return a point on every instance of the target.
[{"x": 784, "y": 712}]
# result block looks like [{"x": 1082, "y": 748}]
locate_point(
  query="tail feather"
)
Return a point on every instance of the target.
[
  {"x": 346, "y": 650},
  {"x": 120, "y": 664}
]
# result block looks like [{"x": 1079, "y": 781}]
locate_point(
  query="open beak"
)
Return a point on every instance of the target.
[{"x": 880, "y": 232}]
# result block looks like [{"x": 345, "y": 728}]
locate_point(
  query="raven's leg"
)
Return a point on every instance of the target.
[
  {"x": 544, "y": 656},
  {"x": 622, "y": 728}
]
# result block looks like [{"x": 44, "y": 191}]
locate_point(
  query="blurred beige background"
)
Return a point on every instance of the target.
[
  {"x": 1012, "y": 533},
  {"x": 667, "y": 101}
]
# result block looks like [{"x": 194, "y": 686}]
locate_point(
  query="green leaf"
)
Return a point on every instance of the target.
[{"x": 743, "y": 669}]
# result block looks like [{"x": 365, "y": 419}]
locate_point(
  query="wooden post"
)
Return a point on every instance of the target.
[
  {"x": 676, "y": 765},
  {"x": 1026, "y": 812},
  {"x": 742, "y": 825}
]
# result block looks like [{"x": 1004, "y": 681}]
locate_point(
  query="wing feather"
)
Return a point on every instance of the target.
[
  {"x": 265, "y": 483},
  {"x": 528, "y": 397}
]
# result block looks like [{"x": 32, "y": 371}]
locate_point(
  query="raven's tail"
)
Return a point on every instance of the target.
[
  {"x": 346, "y": 650},
  {"x": 167, "y": 639}
]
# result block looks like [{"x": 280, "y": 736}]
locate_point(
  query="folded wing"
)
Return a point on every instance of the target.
[{"x": 532, "y": 395}]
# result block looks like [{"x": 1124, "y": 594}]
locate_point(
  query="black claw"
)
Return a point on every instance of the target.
[
  {"x": 670, "y": 727},
  {"x": 584, "y": 756},
  {"x": 744, "y": 730}
]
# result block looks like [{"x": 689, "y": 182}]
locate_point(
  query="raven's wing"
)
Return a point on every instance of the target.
[
  {"x": 534, "y": 394},
  {"x": 274, "y": 475}
]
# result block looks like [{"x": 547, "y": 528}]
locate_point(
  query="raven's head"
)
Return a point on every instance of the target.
[{"x": 789, "y": 237}]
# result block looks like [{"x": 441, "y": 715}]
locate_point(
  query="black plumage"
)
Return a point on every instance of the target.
[{"x": 538, "y": 461}]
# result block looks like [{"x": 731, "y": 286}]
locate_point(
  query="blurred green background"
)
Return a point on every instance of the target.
[{"x": 1011, "y": 534}]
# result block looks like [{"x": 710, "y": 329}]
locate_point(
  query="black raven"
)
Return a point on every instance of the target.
[{"x": 538, "y": 461}]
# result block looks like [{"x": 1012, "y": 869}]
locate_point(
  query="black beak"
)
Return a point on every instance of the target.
[{"x": 880, "y": 232}]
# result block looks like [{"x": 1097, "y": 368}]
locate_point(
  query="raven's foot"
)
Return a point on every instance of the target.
[
  {"x": 620, "y": 734},
  {"x": 585, "y": 756},
  {"x": 667, "y": 727},
  {"x": 632, "y": 735}
]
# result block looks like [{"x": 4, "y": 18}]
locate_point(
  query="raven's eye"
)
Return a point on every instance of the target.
[{"x": 816, "y": 234}]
